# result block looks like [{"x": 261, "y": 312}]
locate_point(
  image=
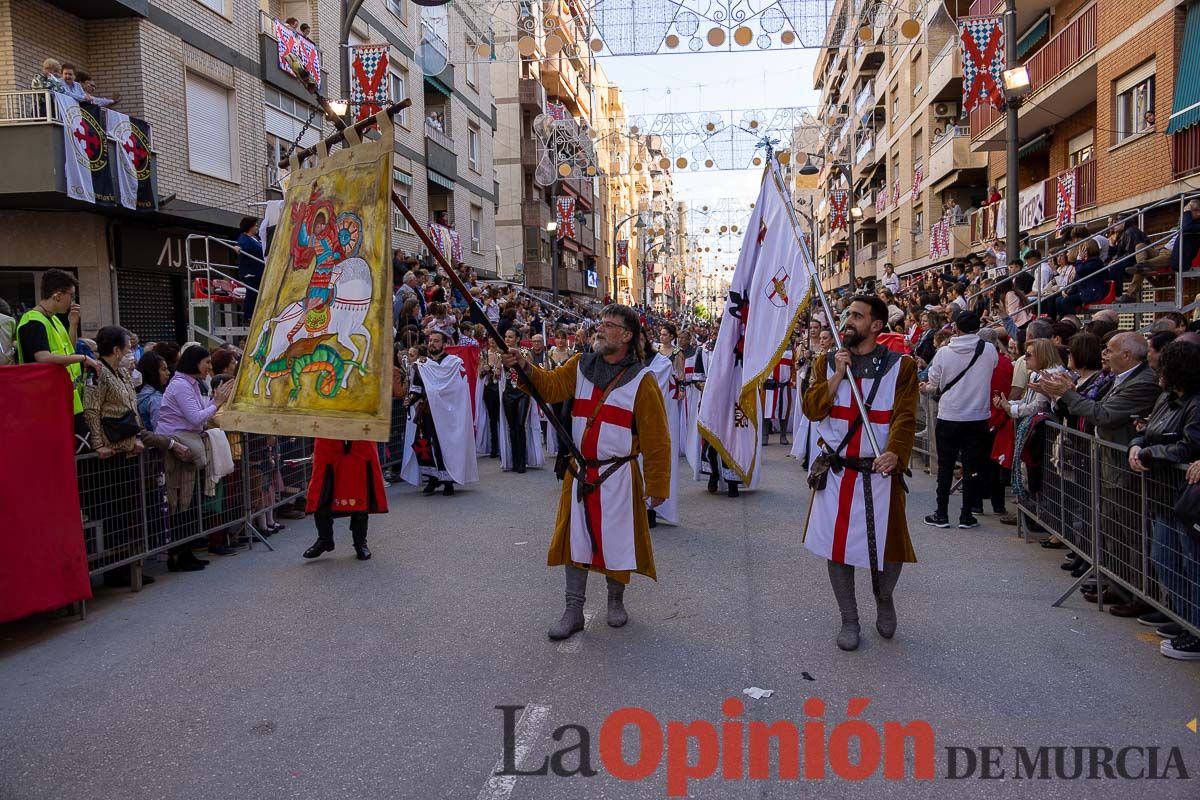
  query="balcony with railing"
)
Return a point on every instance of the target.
[
  {"x": 945, "y": 71},
  {"x": 33, "y": 152},
  {"x": 952, "y": 151},
  {"x": 1185, "y": 151},
  {"x": 268, "y": 58},
  {"x": 1061, "y": 80},
  {"x": 1085, "y": 187}
]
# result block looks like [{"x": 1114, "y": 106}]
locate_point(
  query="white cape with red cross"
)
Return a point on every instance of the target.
[
  {"x": 610, "y": 508},
  {"x": 449, "y": 400},
  {"x": 837, "y": 521}
]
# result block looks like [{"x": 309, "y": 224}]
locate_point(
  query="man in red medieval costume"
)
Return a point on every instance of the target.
[{"x": 346, "y": 482}]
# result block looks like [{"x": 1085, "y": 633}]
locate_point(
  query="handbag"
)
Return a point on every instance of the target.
[
  {"x": 117, "y": 429},
  {"x": 1187, "y": 510}
]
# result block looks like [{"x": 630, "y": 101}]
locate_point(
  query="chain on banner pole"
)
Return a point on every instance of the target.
[
  {"x": 837, "y": 336},
  {"x": 564, "y": 435}
]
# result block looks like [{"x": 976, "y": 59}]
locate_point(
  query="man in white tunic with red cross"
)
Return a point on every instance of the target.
[
  {"x": 777, "y": 400},
  {"x": 616, "y": 414},
  {"x": 857, "y": 517}
]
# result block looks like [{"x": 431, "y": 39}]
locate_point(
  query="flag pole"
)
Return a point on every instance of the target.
[{"x": 837, "y": 336}]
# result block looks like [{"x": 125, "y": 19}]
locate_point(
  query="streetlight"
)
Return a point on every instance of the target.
[
  {"x": 552, "y": 229},
  {"x": 1016, "y": 86}
]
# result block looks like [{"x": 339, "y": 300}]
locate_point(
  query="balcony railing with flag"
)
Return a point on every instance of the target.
[
  {"x": 1064, "y": 50},
  {"x": 1185, "y": 151},
  {"x": 1085, "y": 188}
]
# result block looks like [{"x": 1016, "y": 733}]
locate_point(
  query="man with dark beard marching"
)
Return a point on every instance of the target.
[
  {"x": 440, "y": 440},
  {"x": 857, "y": 516},
  {"x": 617, "y": 414}
]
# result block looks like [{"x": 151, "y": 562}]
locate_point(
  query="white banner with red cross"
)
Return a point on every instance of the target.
[
  {"x": 881, "y": 199},
  {"x": 896, "y": 192},
  {"x": 918, "y": 176},
  {"x": 368, "y": 79},
  {"x": 981, "y": 40},
  {"x": 622, "y": 252},
  {"x": 301, "y": 47},
  {"x": 566, "y": 216},
  {"x": 1066, "y": 200},
  {"x": 837, "y": 210}
]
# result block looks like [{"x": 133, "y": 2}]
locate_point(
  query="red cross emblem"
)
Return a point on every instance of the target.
[
  {"x": 422, "y": 449},
  {"x": 136, "y": 151},
  {"x": 607, "y": 415},
  {"x": 86, "y": 136},
  {"x": 841, "y": 527},
  {"x": 984, "y": 85}
]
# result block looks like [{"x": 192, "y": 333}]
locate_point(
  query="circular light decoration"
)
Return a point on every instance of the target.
[
  {"x": 591, "y": 172},
  {"x": 708, "y": 162},
  {"x": 681, "y": 163},
  {"x": 723, "y": 228},
  {"x": 788, "y": 37},
  {"x": 910, "y": 29},
  {"x": 752, "y": 206},
  {"x": 672, "y": 41},
  {"x": 708, "y": 230},
  {"x": 757, "y": 161},
  {"x": 753, "y": 124},
  {"x": 526, "y": 45},
  {"x": 564, "y": 170},
  {"x": 716, "y": 37},
  {"x": 597, "y": 45},
  {"x": 704, "y": 208},
  {"x": 710, "y": 127},
  {"x": 865, "y": 34},
  {"x": 784, "y": 157},
  {"x": 743, "y": 36},
  {"x": 733, "y": 228},
  {"x": 664, "y": 163},
  {"x": 484, "y": 50},
  {"x": 553, "y": 44},
  {"x": 633, "y": 130},
  {"x": 637, "y": 166}
]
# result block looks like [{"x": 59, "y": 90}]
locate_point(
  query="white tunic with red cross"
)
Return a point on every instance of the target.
[
  {"x": 610, "y": 508},
  {"x": 777, "y": 403},
  {"x": 837, "y": 528}
]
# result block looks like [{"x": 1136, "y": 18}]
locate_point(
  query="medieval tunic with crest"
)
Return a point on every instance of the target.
[
  {"x": 632, "y": 421},
  {"x": 837, "y": 519}
]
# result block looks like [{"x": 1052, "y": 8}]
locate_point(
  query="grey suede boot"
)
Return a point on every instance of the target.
[
  {"x": 617, "y": 616},
  {"x": 841, "y": 577},
  {"x": 885, "y": 608},
  {"x": 572, "y": 618}
]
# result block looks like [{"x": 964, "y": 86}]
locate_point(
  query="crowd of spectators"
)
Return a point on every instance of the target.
[{"x": 66, "y": 78}]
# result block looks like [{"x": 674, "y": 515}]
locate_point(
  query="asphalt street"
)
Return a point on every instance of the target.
[{"x": 268, "y": 676}]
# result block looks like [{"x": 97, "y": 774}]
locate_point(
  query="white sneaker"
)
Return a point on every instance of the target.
[{"x": 1182, "y": 648}]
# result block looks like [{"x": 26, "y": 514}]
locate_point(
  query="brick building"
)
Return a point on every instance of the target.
[
  {"x": 1103, "y": 91},
  {"x": 205, "y": 75}
]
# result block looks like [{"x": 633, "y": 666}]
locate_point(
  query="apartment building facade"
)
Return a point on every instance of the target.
[
  {"x": 1103, "y": 95},
  {"x": 205, "y": 75}
]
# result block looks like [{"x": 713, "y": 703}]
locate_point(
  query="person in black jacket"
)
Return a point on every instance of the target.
[
  {"x": 1091, "y": 274},
  {"x": 1172, "y": 436}
]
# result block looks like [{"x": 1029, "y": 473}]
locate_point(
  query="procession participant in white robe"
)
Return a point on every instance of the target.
[
  {"x": 805, "y": 432},
  {"x": 520, "y": 438},
  {"x": 556, "y": 356},
  {"x": 777, "y": 399},
  {"x": 439, "y": 440},
  {"x": 689, "y": 400},
  {"x": 858, "y": 498},
  {"x": 663, "y": 369},
  {"x": 693, "y": 383},
  {"x": 617, "y": 415}
]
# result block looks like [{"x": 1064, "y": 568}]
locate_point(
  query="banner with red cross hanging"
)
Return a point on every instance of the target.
[
  {"x": 896, "y": 192},
  {"x": 622, "y": 252},
  {"x": 1066, "y": 200},
  {"x": 294, "y": 43},
  {"x": 557, "y": 111},
  {"x": 918, "y": 176},
  {"x": 981, "y": 40},
  {"x": 837, "y": 210},
  {"x": 881, "y": 199},
  {"x": 566, "y": 216},
  {"x": 368, "y": 79}
]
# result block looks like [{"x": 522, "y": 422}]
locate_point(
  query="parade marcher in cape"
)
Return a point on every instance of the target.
[
  {"x": 693, "y": 383},
  {"x": 777, "y": 399},
  {"x": 487, "y": 414},
  {"x": 617, "y": 415},
  {"x": 662, "y": 366},
  {"x": 520, "y": 436},
  {"x": 689, "y": 401},
  {"x": 439, "y": 440},
  {"x": 847, "y": 514},
  {"x": 346, "y": 482}
]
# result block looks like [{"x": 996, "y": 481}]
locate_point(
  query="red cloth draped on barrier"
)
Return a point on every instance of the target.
[{"x": 43, "y": 563}]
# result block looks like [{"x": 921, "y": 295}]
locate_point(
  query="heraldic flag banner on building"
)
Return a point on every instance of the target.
[
  {"x": 771, "y": 286},
  {"x": 319, "y": 350}
]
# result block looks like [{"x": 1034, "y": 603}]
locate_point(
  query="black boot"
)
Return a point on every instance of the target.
[
  {"x": 841, "y": 577},
  {"x": 358, "y": 529},
  {"x": 430, "y": 487},
  {"x": 733, "y": 489},
  {"x": 885, "y": 608},
  {"x": 318, "y": 547},
  {"x": 572, "y": 618},
  {"x": 617, "y": 616},
  {"x": 651, "y": 517},
  {"x": 713, "y": 483},
  {"x": 447, "y": 488},
  {"x": 766, "y": 432}
]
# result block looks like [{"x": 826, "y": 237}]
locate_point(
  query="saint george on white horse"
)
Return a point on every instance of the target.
[{"x": 342, "y": 318}]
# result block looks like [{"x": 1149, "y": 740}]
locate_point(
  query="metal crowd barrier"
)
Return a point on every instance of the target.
[
  {"x": 126, "y": 518},
  {"x": 1120, "y": 522}
]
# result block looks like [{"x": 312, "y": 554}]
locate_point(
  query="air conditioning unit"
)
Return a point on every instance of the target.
[{"x": 945, "y": 110}]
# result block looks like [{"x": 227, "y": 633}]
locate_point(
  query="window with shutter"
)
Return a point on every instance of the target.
[{"x": 210, "y": 143}]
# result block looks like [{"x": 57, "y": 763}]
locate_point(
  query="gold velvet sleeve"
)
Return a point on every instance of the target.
[
  {"x": 554, "y": 385},
  {"x": 654, "y": 438},
  {"x": 817, "y": 400},
  {"x": 903, "y": 426}
]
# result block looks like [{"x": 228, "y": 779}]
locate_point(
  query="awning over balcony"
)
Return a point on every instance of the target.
[
  {"x": 1034, "y": 36},
  {"x": 437, "y": 85},
  {"x": 1035, "y": 145},
  {"x": 1185, "y": 108},
  {"x": 440, "y": 180}
]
